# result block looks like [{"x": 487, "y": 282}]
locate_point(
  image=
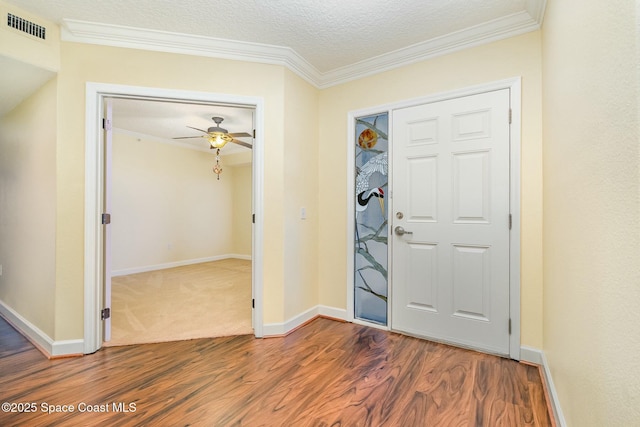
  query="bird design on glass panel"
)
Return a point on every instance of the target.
[{"x": 371, "y": 226}]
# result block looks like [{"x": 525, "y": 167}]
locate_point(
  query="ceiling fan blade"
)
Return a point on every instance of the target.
[
  {"x": 204, "y": 131},
  {"x": 244, "y": 144},
  {"x": 241, "y": 134},
  {"x": 186, "y": 137}
]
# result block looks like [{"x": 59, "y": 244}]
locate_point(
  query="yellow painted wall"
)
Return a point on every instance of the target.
[
  {"x": 26, "y": 48},
  {"x": 301, "y": 176},
  {"x": 242, "y": 209},
  {"x": 592, "y": 209},
  {"x": 28, "y": 208},
  {"x": 517, "y": 56},
  {"x": 242, "y": 164},
  {"x": 88, "y": 63}
]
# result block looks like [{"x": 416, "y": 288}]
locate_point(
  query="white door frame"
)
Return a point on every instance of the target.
[
  {"x": 515, "y": 87},
  {"x": 94, "y": 191}
]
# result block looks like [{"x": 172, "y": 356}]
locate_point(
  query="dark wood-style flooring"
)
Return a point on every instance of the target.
[{"x": 326, "y": 373}]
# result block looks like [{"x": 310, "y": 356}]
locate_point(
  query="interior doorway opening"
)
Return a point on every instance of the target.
[
  {"x": 95, "y": 301},
  {"x": 178, "y": 255}
]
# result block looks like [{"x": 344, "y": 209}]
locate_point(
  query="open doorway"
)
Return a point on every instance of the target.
[
  {"x": 95, "y": 271},
  {"x": 180, "y": 221}
]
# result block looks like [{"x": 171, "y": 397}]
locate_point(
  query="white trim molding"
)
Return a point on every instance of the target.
[
  {"x": 280, "y": 329},
  {"x": 498, "y": 29},
  {"x": 164, "y": 41},
  {"x": 537, "y": 357},
  {"x": 332, "y": 312},
  {"x": 41, "y": 340}
]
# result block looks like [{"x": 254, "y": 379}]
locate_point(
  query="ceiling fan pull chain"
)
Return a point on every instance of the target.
[{"x": 217, "y": 169}]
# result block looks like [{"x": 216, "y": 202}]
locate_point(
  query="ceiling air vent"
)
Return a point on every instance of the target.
[{"x": 25, "y": 26}]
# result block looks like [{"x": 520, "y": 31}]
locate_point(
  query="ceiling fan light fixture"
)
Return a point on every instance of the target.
[{"x": 219, "y": 139}]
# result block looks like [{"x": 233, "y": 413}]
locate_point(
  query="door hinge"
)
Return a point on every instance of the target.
[
  {"x": 509, "y": 326},
  {"x": 510, "y": 221},
  {"x": 105, "y": 313},
  {"x": 254, "y": 134},
  {"x": 253, "y": 218},
  {"x": 253, "y": 303},
  {"x": 106, "y": 124},
  {"x": 510, "y": 115},
  {"x": 106, "y": 218}
]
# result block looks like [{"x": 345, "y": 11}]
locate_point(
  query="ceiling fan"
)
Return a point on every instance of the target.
[{"x": 218, "y": 137}]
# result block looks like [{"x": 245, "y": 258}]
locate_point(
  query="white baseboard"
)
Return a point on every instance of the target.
[
  {"x": 279, "y": 329},
  {"x": 531, "y": 355},
  {"x": 163, "y": 266},
  {"x": 34, "y": 334},
  {"x": 537, "y": 357},
  {"x": 335, "y": 313},
  {"x": 67, "y": 348}
]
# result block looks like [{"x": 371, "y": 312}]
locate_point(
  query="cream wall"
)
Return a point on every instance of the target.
[
  {"x": 592, "y": 209},
  {"x": 43, "y": 54},
  {"x": 28, "y": 208},
  {"x": 301, "y": 179},
  {"x": 88, "y": 63},
  {"x": 167, "y": 205},
  {"x": 242, "y": 165},
  {"x": 517, "y": 56},
  {"x": 242, "y": 209}
]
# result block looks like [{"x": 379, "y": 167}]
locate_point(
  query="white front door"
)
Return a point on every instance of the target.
[{"x": 450, "y": 270}]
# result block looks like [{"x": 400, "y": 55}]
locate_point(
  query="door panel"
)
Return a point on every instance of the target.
[
  {"x": 471, "y": 187},
  {"x": 450, "y": 271},
  {"x": 423, "y": 270},
  {"x": 471, "y": 282},
  {"x": 422, "y": 188}
]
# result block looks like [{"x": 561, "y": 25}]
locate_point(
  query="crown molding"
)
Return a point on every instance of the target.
[
  {"x": 498, "y": 29},
  {"x": 163, "y": 41},
  {"x": 536, "y": 9}
]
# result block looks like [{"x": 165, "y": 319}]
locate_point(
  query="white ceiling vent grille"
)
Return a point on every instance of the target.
[{"x": 25, "y": 26}]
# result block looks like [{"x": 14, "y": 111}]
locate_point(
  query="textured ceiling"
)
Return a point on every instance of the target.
[
  {"x": 339, "y": 39},
  {"x": 329, "y": 34}
]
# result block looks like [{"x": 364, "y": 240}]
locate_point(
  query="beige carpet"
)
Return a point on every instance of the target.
[{"x": 196, "y": 301}]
